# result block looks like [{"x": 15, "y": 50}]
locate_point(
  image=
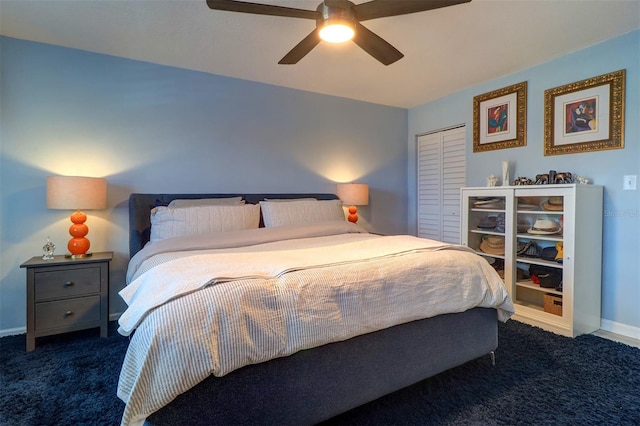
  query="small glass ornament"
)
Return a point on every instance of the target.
[{"x": 48, "y": 249}]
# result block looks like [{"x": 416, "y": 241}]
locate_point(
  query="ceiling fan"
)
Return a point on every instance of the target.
[{"x": 340, "y": 17}]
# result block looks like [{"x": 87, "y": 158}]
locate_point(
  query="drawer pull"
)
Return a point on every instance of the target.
[
  {"x": 68, "y": 284},
  {"x": 68, "y": 314}
]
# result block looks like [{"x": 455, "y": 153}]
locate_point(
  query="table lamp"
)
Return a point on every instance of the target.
[
  {"x": 353, "y": 194},
  {"x": 75, "y": 193}
]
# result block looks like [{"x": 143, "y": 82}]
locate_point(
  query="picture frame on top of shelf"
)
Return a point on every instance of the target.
[
  {"x": 585, "y": 116},
  {"x": 500, "y": 118}
]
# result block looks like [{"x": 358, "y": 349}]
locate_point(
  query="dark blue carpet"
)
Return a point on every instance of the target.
[{"x": 540, "y": 378}]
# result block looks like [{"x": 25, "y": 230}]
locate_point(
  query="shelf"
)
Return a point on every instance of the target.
[
  {"x": 533, "y": 286},
  {"x": 483, "y": 254},
  {"x": 530, "y": 305},
  {"x": 485, "y": 232},
  {"x": 488, "y": 210},
  {"x": 536, "y": 315},
  {"x": 545, "y": 212},
  {"x": 549, "y": 237},
  {"x": 538, "y": 261}
]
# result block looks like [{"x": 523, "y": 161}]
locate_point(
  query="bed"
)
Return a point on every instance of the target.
[{"x": 326, "y": 318}]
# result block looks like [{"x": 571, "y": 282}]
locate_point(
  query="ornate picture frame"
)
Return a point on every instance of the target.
[
  {"x": 585, "y": 116},
  {"x": 500, "y": 118}
]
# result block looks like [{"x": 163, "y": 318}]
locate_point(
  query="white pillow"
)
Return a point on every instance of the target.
[
  {"x": 186, "y": 221},
  {"x": 304, "y": 212},
  {"x": 185, "y": 202},
  {"x": 288, "y": 200}
]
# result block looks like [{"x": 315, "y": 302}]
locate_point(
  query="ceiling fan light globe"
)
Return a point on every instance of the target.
[{"x": 337, "y": 33}]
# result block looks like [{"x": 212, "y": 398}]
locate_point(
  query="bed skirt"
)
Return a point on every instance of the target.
[{"x": 316, "y": 384}]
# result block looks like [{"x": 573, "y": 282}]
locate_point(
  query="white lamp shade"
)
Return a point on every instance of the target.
[
  {"x": 76, "y": 193},
  {"x": 354, "y": 194}
]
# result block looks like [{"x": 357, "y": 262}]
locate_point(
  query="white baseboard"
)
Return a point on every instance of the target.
[
  {"x": 606, "y": 325},
  {"x": 621, "y": 329},
  {"x": 13, "y": 331}
]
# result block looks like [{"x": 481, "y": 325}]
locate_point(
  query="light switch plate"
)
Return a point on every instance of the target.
[{"x": 629, "y": 182}]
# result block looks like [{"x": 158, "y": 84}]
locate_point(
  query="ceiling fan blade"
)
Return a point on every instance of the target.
[
  {"x": 382, "y": 8},
  {"x": 261, "y": 9},
  {"x": 376, "y": 46},
  {"x": 301, "y": 49}
]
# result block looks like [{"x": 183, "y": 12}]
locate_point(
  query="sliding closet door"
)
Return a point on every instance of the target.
[{"x": 441, "y": 173}]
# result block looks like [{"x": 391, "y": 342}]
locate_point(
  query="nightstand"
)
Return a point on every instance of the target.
[{"x": 66, "y": 294}]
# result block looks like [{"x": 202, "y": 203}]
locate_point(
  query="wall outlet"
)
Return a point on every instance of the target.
[{"x": 629, "y": 182}]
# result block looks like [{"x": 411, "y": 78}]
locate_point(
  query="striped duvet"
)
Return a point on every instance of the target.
[{"x": 213, "y": 310}]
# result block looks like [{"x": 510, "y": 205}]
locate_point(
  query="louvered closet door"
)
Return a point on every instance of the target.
[{"x": 441, "y": 174}]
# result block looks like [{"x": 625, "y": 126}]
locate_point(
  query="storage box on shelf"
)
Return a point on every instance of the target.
[
  {"x": 552, "y": 250},
  {"x": 553, "y": 303}
]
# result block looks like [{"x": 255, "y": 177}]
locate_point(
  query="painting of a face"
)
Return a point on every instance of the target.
[{"x": 581, "y": 116}]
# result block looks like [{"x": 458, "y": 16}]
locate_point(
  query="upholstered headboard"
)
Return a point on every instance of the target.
[{"x": 140, "y": 206}]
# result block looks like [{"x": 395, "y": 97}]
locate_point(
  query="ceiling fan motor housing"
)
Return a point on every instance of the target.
[{"x": 336, "y": 13}]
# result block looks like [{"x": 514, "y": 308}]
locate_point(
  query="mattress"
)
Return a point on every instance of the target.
[{"x": 211, "y": 305}]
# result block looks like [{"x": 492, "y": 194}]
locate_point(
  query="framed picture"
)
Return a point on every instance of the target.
[
  {"x": 585, "y": 116},
  {"x": 500, "y": 118}
]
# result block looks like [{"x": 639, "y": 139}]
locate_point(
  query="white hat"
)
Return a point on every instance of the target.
[{"x": 544, "y": 227}]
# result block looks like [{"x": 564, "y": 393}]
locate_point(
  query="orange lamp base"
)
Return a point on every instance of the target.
[
  {"x": 353, "y": 214},
  {"x": 78, "y": 245}
]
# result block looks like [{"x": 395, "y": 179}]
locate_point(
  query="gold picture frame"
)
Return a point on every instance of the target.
[
  {"x": 500, "y": 118},
  {"x": 585, "y": 116}
]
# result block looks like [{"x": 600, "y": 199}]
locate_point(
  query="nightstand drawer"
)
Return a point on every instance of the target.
[
  {"x": 66, "y": 283},
  {"x": 63, "y": 313}
]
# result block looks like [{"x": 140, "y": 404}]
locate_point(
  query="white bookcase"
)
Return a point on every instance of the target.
[{"x": 571, "y": 308}]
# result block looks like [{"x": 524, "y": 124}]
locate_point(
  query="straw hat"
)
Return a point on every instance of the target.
[
  {"x": 553, "y": 204},
  {"x": 544, "y": 227},
  {"x": 488, "y": 203},
  {"x": 492, "y": 244},
  {"x": 526, "y": 204}
]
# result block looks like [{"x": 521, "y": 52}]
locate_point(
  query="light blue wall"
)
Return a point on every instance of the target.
[
  {"x": 151, "y": 128},
  {"x": 621, "y": 259}
]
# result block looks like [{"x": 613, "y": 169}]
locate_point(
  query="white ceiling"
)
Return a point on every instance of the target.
[{"x": 445, "y": 50}]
